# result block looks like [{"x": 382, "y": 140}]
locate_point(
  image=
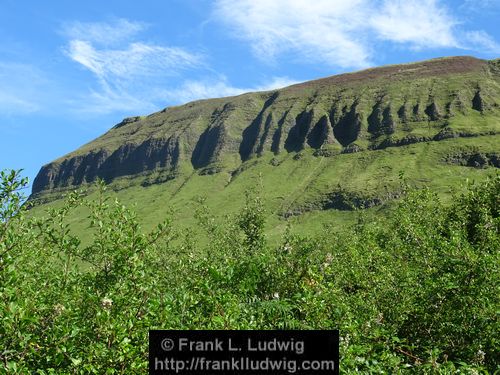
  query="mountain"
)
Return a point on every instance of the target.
[{"x": 334, "y": 143}]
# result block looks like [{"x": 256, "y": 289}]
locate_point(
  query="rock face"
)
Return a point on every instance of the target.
[
  {"x": 128, "y": 159},
  {"x": 367, "y": 110},
  {"x": 474, "y": 159}
]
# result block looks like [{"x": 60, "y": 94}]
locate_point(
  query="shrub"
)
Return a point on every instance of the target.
[{"x": 416, "y": 292}]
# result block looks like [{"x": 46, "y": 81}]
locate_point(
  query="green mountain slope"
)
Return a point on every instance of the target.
[{"x": 319, "y": 149}]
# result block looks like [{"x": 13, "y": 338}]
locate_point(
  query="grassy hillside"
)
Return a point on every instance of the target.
[
  {"x": 307, "y": 191},
  {"x": 317, "y": 151}
]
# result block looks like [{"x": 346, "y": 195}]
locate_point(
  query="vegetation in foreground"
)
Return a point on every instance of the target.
[{"x": 414, "y": 293}]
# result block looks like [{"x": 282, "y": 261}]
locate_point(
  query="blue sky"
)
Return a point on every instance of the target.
[{"x": 71, "y": 70}]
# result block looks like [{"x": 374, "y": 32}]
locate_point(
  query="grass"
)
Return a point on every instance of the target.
[
  {"x": 295, "y": 183},
  {"x": 299, "y": 182}
]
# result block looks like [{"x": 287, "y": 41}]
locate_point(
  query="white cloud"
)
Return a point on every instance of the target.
[
  {"x": 126, "y": 69},
  {"x": 110, "y": 99},
  {"x": 136, "y": 76},
  {"x": 205, "y": 89},
  {"x": 276, "y": 83},
  {"x": 342, "y": 33},
  {"x": 114, "y": 99},
  {"x": 137, "y": 59},
  {"x": 193, "y": 90},
  {"x": 102, "y": 32},
  {"x": 480, "y": 40},
  {"x": 317, "y": 31},
  {"x": 420, "y": 23}
]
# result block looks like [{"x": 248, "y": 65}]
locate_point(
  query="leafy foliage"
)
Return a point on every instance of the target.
[{"x": 415, "y": 293}]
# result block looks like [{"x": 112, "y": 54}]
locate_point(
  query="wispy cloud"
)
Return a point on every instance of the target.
[
  {"x": 322, "y": 30},
  {"x": 20, "y": 87},
  {"x": 117, "y": 98},
  {"x": 481, "y": 40},
  {"x": 219, "y": 87},
  {"x": 480, "y": 5},
  {"x": 276, "y": 83},
  {"x": 418, "y": 23},
  {"x": 137, "y": 59},
  {"x": 342, "y": 33},
  {"x": 199, "y": 89},
  {"x": 11, "y": 104},
  {"x": 126, "y": 69},
  {"x": 132, "y": 75},
  {"x": 112, "y": 32}
]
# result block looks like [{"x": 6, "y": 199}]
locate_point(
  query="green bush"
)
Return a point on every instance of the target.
[{"x": 413, "y": 293}]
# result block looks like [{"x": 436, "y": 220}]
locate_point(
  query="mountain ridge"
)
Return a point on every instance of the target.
[{"x": 372, "y": 109}]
